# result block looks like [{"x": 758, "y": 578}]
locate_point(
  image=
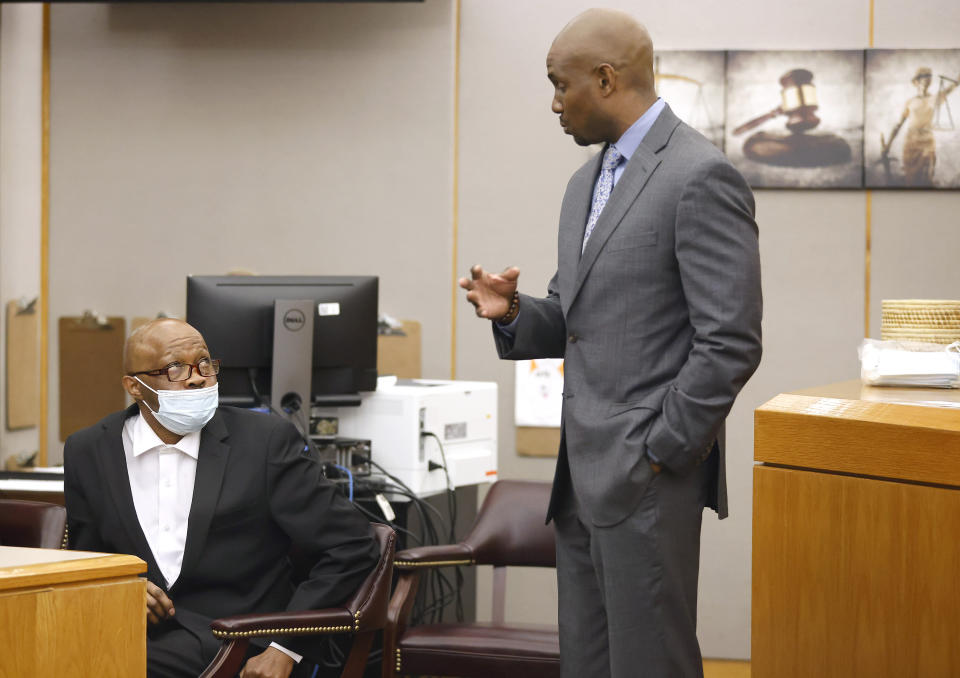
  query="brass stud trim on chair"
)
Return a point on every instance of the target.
[
  {"x": 356, "y": 620},
  {"x": 292, "y": 631},
  {"x": 66, "y": 535},
  {"x": 412, "y": 565},
  {"x": 399, "y": 663}
]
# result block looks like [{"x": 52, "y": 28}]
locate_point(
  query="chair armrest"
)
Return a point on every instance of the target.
[
  {"x": 305, "y": 622},
  {"x": 434, "y": 556}
]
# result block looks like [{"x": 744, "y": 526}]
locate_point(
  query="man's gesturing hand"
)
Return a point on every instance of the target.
[
  {"x": 159, "y": 606},
  {"x": 490, "y": 293}
]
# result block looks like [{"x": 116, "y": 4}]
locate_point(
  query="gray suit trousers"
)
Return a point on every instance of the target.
[{"x": 628, "y": 592}]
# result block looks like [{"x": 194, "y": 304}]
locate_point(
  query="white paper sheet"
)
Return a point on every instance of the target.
[{"x": 539, "y": 389}]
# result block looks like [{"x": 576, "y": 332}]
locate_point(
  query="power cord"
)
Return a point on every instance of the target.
[
  {"x": 452, "y": 507},
  {"x": 304, "y": 431},
  {"x": 437, "y": 591}
]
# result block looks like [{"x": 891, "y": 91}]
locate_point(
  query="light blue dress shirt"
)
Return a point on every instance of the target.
[{"x": 631, "y": 139}]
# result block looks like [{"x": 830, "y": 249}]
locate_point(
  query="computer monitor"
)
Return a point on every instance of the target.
[{"x": 236, "y": 316}]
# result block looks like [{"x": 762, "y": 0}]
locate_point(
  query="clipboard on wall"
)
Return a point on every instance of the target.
[
  {"x": 22, "y": 365},
  {"x": 91, "y": 364},
  {"x": 538, "y": 441}
]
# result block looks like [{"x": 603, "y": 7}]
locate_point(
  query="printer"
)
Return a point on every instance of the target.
[{"x": 418, "y": 428}]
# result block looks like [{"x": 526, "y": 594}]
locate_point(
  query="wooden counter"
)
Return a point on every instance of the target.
[
  {"x": 856, "y": 556},
  {"x": 71, "y": 613}
]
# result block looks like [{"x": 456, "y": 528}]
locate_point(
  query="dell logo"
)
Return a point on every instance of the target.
[{"x": 293, "y": 319}]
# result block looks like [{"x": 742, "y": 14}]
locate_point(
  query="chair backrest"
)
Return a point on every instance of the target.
[
  {"x": 32, "y": 523},
  {"x": 510, "y": 527},
  {"x": 369, "y": 603}
]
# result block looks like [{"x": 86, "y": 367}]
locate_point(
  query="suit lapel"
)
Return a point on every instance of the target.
[
  {"x": 211, "y": 464},
  {"x": 573, "y": 221},
  {"x": 112, "y": 463},
  {"x": 640, "y": 168}
]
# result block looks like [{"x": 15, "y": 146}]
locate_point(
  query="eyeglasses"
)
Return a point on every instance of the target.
[{"x": 183, "y": 371}]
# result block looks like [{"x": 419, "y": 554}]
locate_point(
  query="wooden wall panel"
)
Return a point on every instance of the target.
[{"x": 854, "y": 577}]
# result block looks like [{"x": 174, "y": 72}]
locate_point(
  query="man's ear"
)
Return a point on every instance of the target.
[
  {"x": 606, "y": 79},
  {"x": 132, "y": 386}
]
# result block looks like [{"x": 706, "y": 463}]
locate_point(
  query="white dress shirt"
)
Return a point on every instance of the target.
[{"x": 161, "y": 480}]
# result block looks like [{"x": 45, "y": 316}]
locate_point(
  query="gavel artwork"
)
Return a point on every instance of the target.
[{"x": 797, "y": 148}]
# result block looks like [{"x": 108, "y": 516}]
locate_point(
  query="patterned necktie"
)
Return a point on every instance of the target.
[{"x": 611, "y": 158}]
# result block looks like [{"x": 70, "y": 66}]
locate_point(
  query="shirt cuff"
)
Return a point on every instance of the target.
[
  {"x": 510, "y": 329},
  {"x": 290, "y": 653}
]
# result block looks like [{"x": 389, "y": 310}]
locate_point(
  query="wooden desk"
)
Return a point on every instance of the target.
[
  {"x": 856, "y": 556},
  {"x": 71, "y": 613}
]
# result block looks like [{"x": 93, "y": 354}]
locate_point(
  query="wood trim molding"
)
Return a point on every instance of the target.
[
  {"x": 455, "y": 217},
  {"x": 42, "y": 443}
]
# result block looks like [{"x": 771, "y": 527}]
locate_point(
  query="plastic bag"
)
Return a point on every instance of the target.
[{"x": 909, "y": 363}]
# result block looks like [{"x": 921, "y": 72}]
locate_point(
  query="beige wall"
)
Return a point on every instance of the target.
[
  {"x": 293, "y": 138},
  {"x": 318, "y": 138},
  {"x": 21, "y": 50}
]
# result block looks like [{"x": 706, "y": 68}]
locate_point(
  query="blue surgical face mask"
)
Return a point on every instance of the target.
[{"x": 185, "y": 411}]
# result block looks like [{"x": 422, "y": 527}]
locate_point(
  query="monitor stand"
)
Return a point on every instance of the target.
[{"x": 292, "y": 355}]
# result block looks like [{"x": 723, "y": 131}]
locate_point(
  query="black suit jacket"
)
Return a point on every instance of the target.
[{"x": 256, "y": 493}]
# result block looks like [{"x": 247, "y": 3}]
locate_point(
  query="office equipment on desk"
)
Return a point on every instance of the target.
[
  {"x": 237, "y": 316},
  {"x": 22, "y": 365},
  {"x": 71, "y": 613},
  {"x": 352, "y": 454},
  {"x": 419, "y": 427},
  {"x": 91, "y": 365}
]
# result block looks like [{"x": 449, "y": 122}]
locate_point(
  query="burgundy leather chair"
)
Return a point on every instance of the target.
[
  {"x": 509, "y": 530},
  {"x": 363, "y": 615},
  {"x": 32, "y": 523}
]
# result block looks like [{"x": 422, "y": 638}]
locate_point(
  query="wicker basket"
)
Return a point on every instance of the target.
[{"x": 935, "y": 321}]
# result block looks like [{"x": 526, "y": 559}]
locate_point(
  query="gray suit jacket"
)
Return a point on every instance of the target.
[{"x": 658, "y": 320}]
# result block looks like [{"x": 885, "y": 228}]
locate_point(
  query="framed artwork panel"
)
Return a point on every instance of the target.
[{"x": 794, "y": 119}]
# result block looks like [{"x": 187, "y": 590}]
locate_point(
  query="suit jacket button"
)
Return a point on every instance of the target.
[{"x": 573, "y": 338}]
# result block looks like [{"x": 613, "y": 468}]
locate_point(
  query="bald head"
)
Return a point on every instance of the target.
[
  {"x": 601, "y": 67},
  {"x": 147, "y": 355},
  {"x": 148, "y": 345},
  {"x": 599, "y": 36}
]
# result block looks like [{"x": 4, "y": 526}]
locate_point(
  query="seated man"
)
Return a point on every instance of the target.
[{"x": 212, "y": 499}]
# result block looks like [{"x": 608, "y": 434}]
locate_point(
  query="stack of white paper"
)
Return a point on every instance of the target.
[{"x": 883, "y": 365}]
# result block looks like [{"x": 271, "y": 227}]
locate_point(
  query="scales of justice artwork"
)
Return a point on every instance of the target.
[
  {"x": 794, "y": 119},
  {"x": 692, "y": 82},
  {"x": 912, "y": 109}
]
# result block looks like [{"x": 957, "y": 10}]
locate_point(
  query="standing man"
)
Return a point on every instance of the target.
[
  {"x": 656, "y": 308},
  {"x": 212, "y": 499}
]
